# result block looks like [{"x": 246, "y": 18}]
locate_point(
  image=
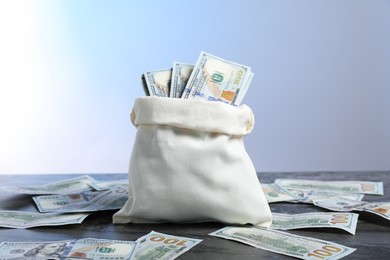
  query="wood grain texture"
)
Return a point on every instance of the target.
[{"x": 371, "y": 239}]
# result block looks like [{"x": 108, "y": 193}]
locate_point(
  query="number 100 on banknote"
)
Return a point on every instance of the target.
[{"x": 217, "y": 79}]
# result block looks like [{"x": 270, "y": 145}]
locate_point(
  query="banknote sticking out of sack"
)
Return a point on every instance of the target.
[{"x": 189, "y": 164}]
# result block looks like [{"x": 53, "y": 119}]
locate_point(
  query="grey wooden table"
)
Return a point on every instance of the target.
[{"x": 372, "y": 238}]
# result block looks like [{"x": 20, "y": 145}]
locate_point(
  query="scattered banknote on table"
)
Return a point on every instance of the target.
[
  {"x": 345, "y": 221},
  {"x": 35, "y": 250},
  {"x": 23, "y": 219},
  {"x": 340, "y": 204},
  {"x": 274, "y": 193},
  {"x": 211, "y": 78},
  {"x": 106, "y": 185},
  {"x": 77, "y": 184},
  {"x": 88, "y": 201},
  {"x": 86, "y": 248},
  {"x": 162, "y": 246},
  {"x": 151, "y": 246},
  {"x": 308, "y": 196},
  {"x": 379, "y": 208},
  {"x": 68, "y": 202},
  {"x": 343, "y": 204},
  {"x": 284, "y": 243},
  {"x": 361, "y": 187},
  {"x": 101, "y": 249},
  {"x": 69, "y": 198}
]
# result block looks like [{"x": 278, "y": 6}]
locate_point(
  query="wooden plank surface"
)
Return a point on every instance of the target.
[{"x": 372, "y": 238}]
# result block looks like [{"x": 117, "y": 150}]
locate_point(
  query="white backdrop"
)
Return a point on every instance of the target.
[{"x": 69, "y": 74}]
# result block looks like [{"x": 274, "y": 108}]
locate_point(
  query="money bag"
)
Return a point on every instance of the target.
[{"x": 189, "y": 164}]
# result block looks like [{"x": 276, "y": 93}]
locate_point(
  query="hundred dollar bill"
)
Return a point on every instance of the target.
[
  {"x": 88, "y": 201},
  {"x": 273, "y": 193},
  {"x": 66, "y": 202},
  {"x": 76, "y": 184},
  {"x": 379, "y": 208},
  {"x": 214, "y": 78},
  {"x": 101, "y": 249},
  {"x": 113, "y": 198},
  {"x": 181, "y": 72},
  {"x": 105, "y": 185},
  {"x": 22, "y": 219},
  {"x": 340, "y": 204},
  {"x": 363, "y": 187},
  {"x": 158, "y": 82},
  {"x": 35, "y": 250},
  {"x": 162, "y": 246},
  {"x": 307, "y": 196},
  {"x": 345, "y": 221},
  {"x": 284, "y": 243},
  {"x": 86, "y": 248},
  {"x": 144, "y": 85},
  {"x": 343, "y": 204}
]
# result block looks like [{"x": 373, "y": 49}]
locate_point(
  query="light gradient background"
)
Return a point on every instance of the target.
[{"x": 69, "y": 74}]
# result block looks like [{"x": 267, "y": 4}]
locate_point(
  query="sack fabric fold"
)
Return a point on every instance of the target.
[{"x": 189, "y": 164}]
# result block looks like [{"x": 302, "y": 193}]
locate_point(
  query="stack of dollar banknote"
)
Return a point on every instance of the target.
[
  {"x": 210, "y": 78},
  {"x": 70, "y": 201}
]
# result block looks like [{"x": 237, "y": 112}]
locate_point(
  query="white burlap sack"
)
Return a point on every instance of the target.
[{"x": 189, "y": 164}]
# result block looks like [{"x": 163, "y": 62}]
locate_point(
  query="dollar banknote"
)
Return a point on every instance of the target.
[
  {"x": 144, "y": 85},
  {"x": 214, "y": 78},
  {"x": 101, "y": 249},
  {"x": 23, "y": 219},
  {"x": 284, "y": 243},
  {"x": 343, "y": 204},
  {"x": 80, "y": 183},
  {"x": 181, "y": 72},
  {"x": 105, "y": 185},
  {"x": 345, "y": 221},
  {"x": 308, "y": 196},
  {"x": 162, "y": 246},
  {"x": 113, "y": 198},
  {"x": 158, "y": 82},
  {"x": 363, "y": 187},
  {"x": 66, "y": 202},
  {"x": 340, "y": 204},
  {"x": 35, "y": 250},
  {"x": 379, "y": 208},
  {"x": 86, "y": 248},
  {"x": 274, "y": 193}
]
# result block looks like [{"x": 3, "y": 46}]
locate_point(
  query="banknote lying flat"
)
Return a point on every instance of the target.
[
  {"x": 362, "y": 187},
  {"x": 343, "y": 204},
  {"x": 77, "y": 184},
  {"x": 181, "y": 72},
  {"x": 345, "y": 221},
  {"x": 340, "y": 204},
  {"x": 284, "y": 243},
  {"x": 35, "y": 250},
  {"x": 22, "y": 219},
  {"x": 216, "y": 79},
  {"x": 113, "y": 198},
  {"x": 151, "y": 246},
  {"x": 162, "y": 246},
  {"x": 86, "y": 248},
  {"x": 308, "y": 196},
  {"x": 101, "y": 249},
  {"x": 158, "y": 82},
  {"x": 106, "y": 185},
  {"x": 274, "y": 193}
]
